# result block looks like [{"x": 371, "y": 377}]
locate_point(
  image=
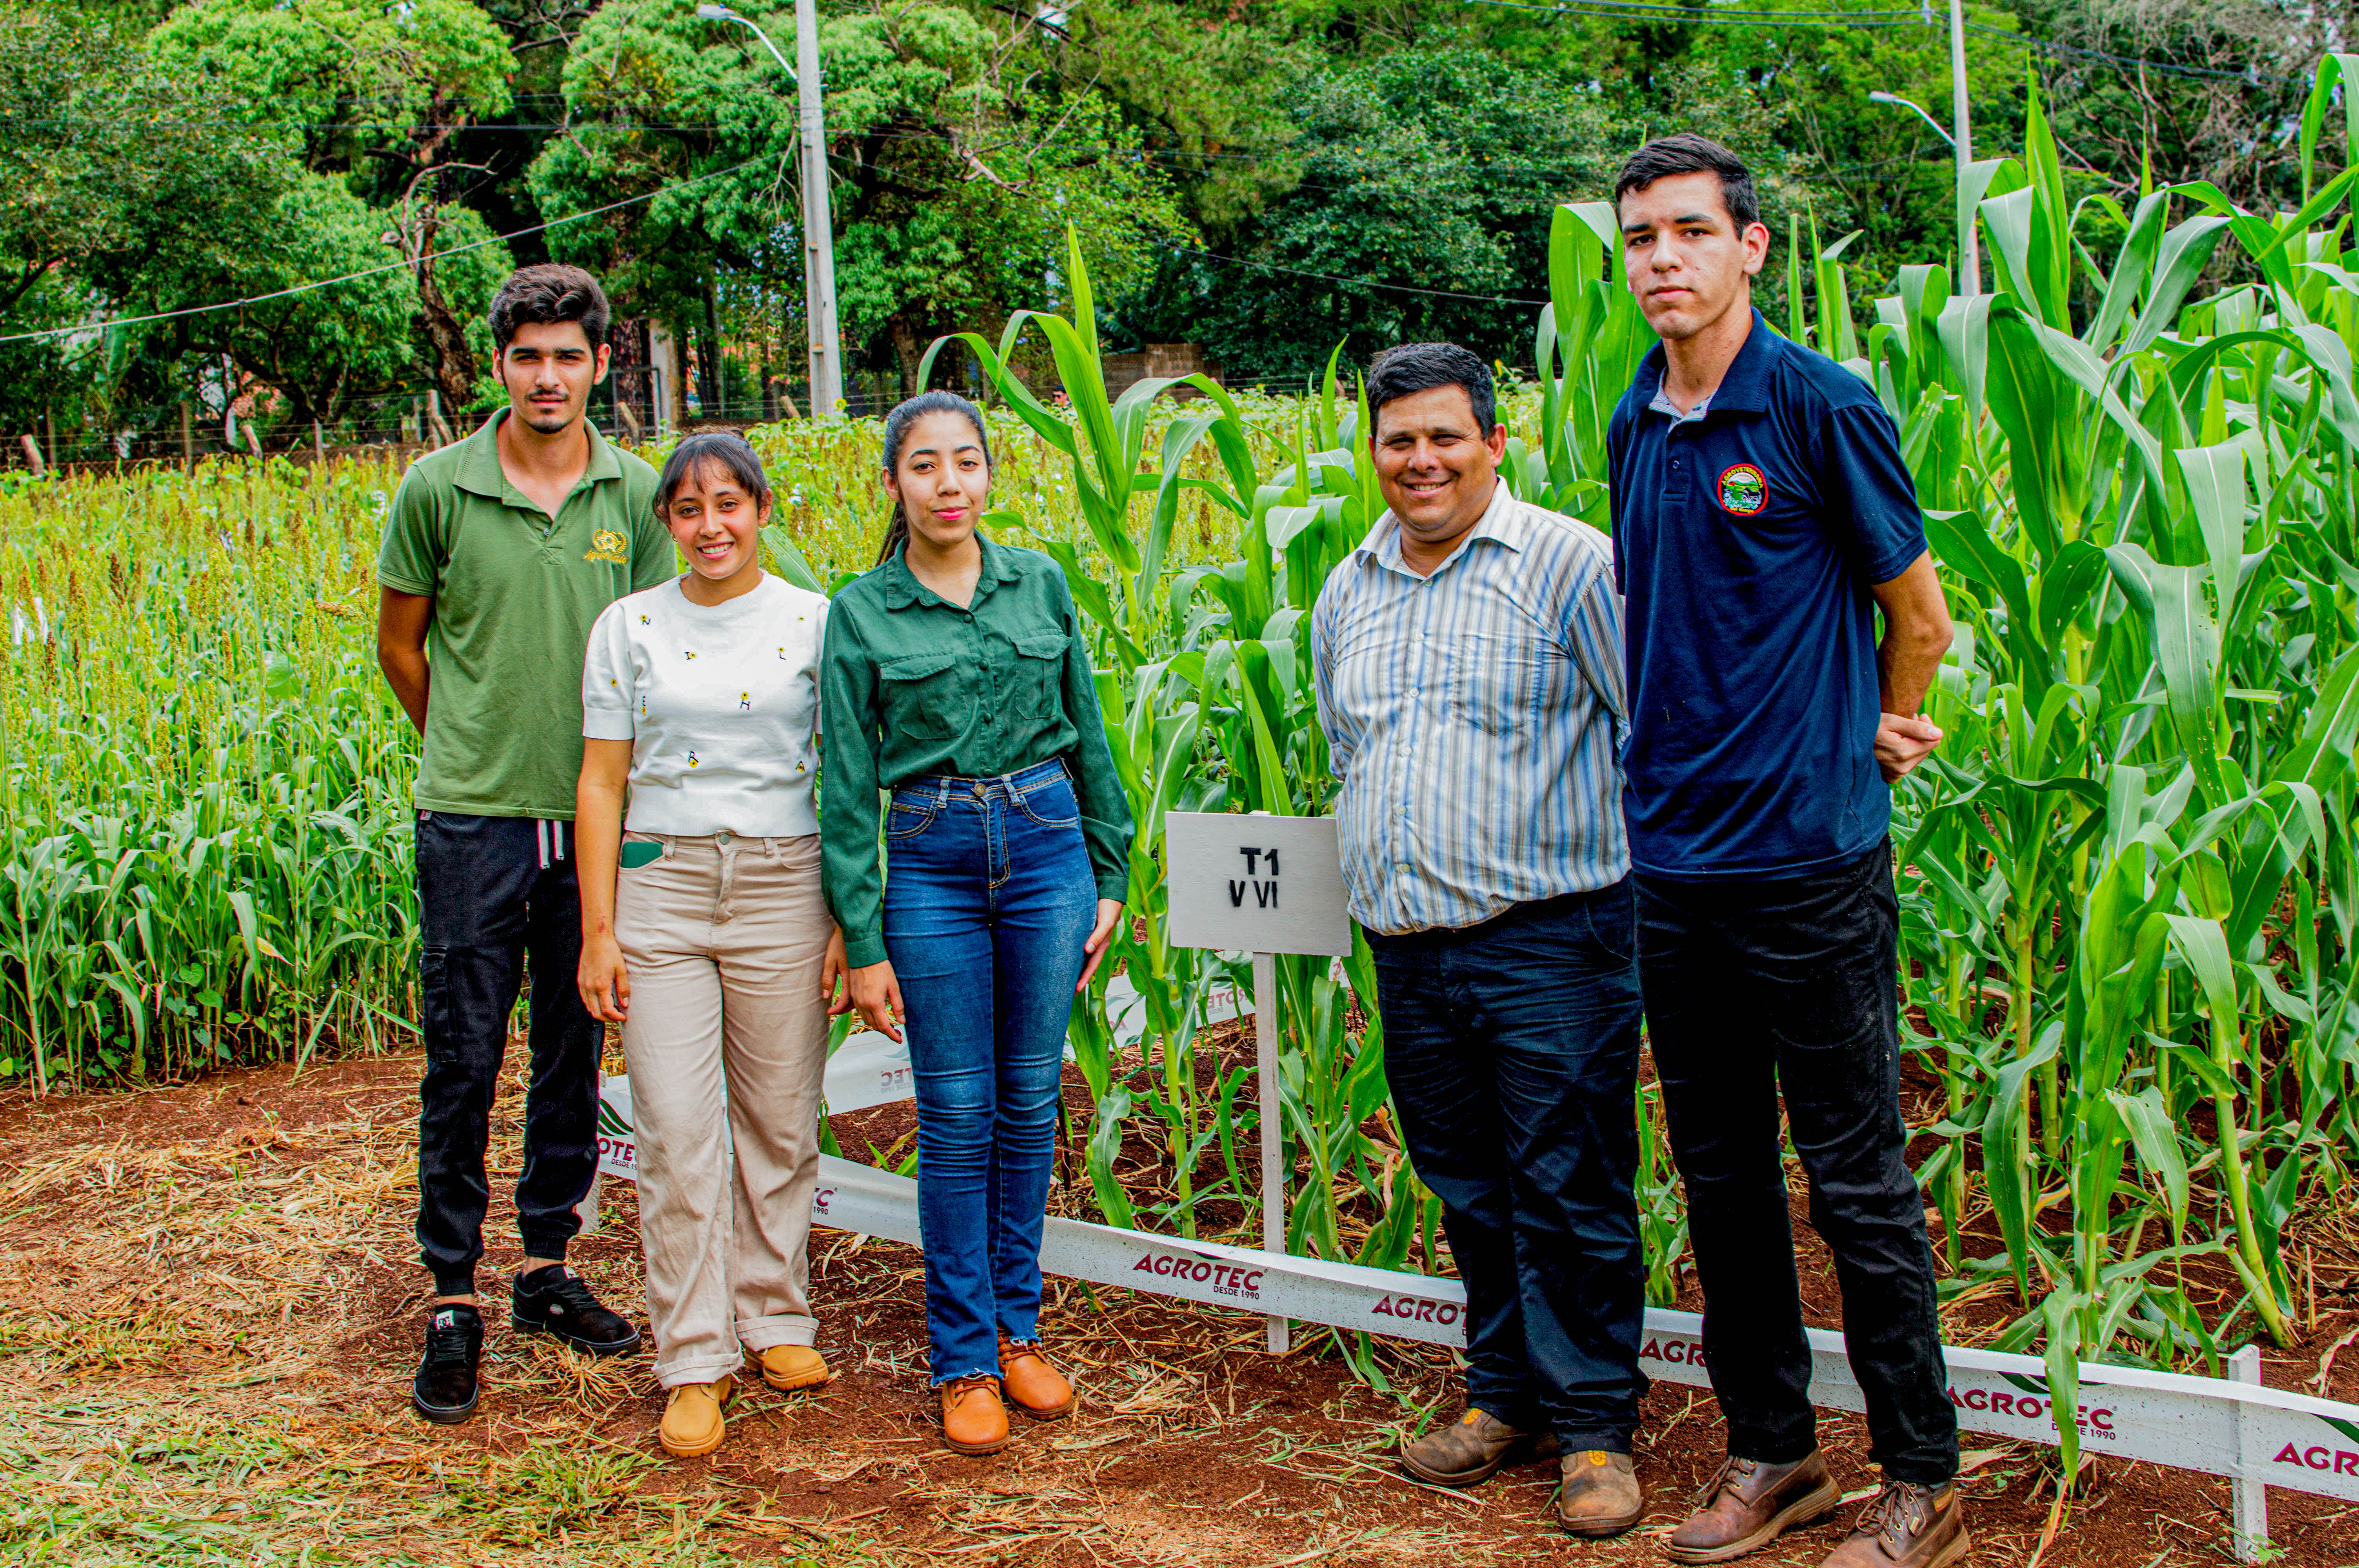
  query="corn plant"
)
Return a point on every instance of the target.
[{"x": 2128, "y": 881}]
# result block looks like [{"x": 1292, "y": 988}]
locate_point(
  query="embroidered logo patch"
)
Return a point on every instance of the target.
[
  {"x": 607, "y": 546},
  {"x": 1744, "y": 490}
]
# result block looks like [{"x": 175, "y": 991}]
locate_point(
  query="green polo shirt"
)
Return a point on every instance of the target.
[
  {"x": 914, "y": 685},
  {"x": 515, "y": 592}
]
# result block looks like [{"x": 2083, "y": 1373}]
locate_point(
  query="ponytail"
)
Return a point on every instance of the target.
[
  {"x": 897, "y": 534},
  {"x": 897, "y": 430}
]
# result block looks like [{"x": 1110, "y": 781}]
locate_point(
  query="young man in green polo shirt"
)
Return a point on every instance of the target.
[{"x": 499, "y": 554}]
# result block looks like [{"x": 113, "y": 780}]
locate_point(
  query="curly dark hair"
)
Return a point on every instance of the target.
[{"x": 551, "y": 292}]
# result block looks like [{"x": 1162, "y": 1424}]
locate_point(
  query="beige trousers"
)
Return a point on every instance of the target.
[{"x": 724, "y": 937}]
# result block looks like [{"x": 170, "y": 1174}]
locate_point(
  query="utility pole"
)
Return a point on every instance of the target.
[
  {"x": 1970, "y": 258},
  {"x": 819, "y": 231}
]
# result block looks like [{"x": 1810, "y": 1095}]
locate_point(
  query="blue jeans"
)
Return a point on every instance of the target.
[
  {"x": 1512, "y": 1051},
  {"x": 988, "y": 898}
]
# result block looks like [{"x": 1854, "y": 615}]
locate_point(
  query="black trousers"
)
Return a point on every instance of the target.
[
  {"x": 1758, "y": 988},
  {"x": 488, "y": 904},
  {"x": 1512, "y": 1050}
]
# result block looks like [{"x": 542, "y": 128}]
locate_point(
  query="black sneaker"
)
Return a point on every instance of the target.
[
  {"x": 555, "y": 1300},
  {"x": 444, "y": 1389}
]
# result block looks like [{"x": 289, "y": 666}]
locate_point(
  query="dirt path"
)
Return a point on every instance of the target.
[{"x": 210, "y": 1320}]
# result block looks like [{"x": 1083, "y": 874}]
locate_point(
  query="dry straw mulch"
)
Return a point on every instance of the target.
[{"x": 210, "y": 1316}]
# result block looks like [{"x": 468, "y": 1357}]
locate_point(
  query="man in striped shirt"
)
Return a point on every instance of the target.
[{"x": 1469, "y": 657}]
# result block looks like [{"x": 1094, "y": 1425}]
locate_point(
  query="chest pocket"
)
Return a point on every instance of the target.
[
  {"x": 1501, "y": 679},
  {"x": 927, "y": 696},
  {"x": 1040, "y": 665}
]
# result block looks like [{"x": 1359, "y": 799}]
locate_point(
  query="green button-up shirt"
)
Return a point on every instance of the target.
[
  {"x": 515, "y": 592},
  {"x": 913, "y": 686}
]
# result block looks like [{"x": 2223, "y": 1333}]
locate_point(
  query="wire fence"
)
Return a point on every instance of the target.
[{"x": 636, "y": 402}]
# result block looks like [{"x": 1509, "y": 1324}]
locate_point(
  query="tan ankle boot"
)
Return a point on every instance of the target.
[
  {"x": 974, "y": 1421},
  {"x": 1601, "y": 1496},
  {"x": 790, "y": 1366},
  {"x": 1033, "y": 1385},
  {"x": 1471, "y": 1449},
  {"x": 694, "y": 1420}
]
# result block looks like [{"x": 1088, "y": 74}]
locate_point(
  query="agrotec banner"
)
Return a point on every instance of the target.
[{"x": 2233, "y": 1427}]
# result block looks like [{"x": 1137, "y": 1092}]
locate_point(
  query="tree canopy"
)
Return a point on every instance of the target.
[{"x": 1266, "y": 178}]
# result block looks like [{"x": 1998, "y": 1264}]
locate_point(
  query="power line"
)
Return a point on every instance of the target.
[
  {"x": 1353, "y": 281},
  {"x": 1233, "y": 261},
  {"x": 1671, "y": 11},
  {"x": 373, "y": 271},
  {"x": 2075, "y": 51}
]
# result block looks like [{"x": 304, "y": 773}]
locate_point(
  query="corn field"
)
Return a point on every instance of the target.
[{"x": 2128, "y": 884}]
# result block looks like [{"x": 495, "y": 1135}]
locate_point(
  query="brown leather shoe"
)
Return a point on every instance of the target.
[
  {"x": 1747, "y": 1504},
  {"x": 1031, "y": 1383},
  {"x": 695, "y": 1417},
  {"x": 790, "y": 1366},
  {"x": 1472, "y": 1451},
  {"x": 1908, "y": 1526},
  {"x": 974, "y": 1421},
  {"x": 1599, "y": 1495}
]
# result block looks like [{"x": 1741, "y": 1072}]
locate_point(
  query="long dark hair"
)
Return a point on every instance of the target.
[{"x": 897, "y": 430}]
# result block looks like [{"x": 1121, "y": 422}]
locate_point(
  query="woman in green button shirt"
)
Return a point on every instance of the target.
[{"x": 956, "y": 676}]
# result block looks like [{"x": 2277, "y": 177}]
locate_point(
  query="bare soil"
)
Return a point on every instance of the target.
[{"x": 224, "y": 1268}]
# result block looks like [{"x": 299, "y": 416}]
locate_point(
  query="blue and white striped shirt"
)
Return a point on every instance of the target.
[{"x": 1475, "y": 718}]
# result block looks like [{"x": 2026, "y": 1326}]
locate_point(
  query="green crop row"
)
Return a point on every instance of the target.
[{"x": 2127, "y": 879}]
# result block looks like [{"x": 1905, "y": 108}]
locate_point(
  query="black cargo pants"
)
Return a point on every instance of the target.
[{"x": 497, "y": 897}]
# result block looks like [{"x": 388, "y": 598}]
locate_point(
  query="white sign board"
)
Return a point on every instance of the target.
[{"x": 1255, "y": 884}]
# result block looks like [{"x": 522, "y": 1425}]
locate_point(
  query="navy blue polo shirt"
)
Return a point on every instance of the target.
[{"x": 1745, "y": 542}]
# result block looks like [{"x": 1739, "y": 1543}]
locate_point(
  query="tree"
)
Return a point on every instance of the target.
[
  {"x": 1435, "y": 171},
  {"x": 101, "y": 155},
  {"x": 321, "y": 347},
  {"x": 381, "y": 90},
  {"x": 953, "y": 167},
  {"x": 2221, "y": 99},
  {"x": 103, "y": 162}
]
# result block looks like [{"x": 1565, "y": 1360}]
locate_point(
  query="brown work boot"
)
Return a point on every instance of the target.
[
  {"x": 1747, "y": 1504},
  {"x": 1474, "y": 1450},
  {"x": 1908, "y": 1526},
  {"x": 1032, "y": 1385},
  {"x": 694, "y": 1418},
  {"x": 790, "y": 1366},
  {"x": 1599, "y": 1495},
  {"x": 974, "y": 1421}
]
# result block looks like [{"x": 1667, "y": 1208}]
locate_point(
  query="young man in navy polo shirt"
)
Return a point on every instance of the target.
[{"x": 1762, "y": 516}]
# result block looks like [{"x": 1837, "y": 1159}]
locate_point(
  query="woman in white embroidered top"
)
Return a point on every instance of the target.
[{"x": 705, "y": 936}]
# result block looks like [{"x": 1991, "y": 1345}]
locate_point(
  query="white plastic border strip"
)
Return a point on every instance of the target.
[
  {"x": 2164, "y": 1418},
  {"x": 2255, "y": 1435}
]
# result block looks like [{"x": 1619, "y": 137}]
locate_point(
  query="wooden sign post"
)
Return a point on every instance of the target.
[{"x": 1264, "y": 885}]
